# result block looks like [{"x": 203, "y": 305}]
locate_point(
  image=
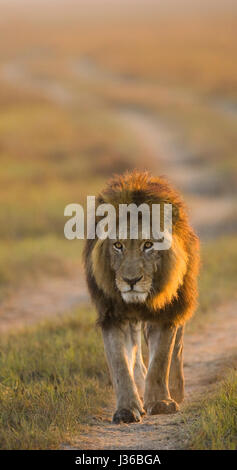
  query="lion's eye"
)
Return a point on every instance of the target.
[
  {"x": 147, "y": 245},
  {"x": 118, "y": 246}
]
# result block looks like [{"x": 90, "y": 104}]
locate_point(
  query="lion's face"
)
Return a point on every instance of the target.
[{"x": 134, "y": 263}]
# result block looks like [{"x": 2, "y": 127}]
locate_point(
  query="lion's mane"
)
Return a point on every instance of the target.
[{"x": 174, "y": 287}]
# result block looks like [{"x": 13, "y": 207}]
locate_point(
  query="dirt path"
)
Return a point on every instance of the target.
[
  {"x": 206, "y": 355},
  {"x": 212, "y": 211}
]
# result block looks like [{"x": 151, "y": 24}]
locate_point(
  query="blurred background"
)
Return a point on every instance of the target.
[{"x": 89, "y": 88}]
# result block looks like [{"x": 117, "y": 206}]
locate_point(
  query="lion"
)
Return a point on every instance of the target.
[{"x": 135, "y": 287}]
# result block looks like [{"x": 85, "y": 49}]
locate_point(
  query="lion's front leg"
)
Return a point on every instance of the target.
[
  {"x": 117, "y": 342},
  {"x": 157, "y": 398}
]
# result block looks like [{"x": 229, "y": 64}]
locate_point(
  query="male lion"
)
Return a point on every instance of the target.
[{"x": 130, "y": 282}]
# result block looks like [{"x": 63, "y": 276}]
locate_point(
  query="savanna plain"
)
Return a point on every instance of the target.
[{"x": 86, "y": 91}]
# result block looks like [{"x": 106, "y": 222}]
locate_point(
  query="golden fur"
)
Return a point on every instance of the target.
[{"x": 130, "y": 285}]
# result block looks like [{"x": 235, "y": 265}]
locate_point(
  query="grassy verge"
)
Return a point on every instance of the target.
[
  {"x": 219, "y": 271},
  {"x": 32, "y": 257},
  {"x": 52, "y": 379},
  {"x": 216, "y": 425},
  {"x": 218, "y": 278}
]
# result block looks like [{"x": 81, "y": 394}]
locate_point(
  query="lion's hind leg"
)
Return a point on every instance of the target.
[
  {"x": 161, "y": 341},
  {"x": 176, "y": 378}
]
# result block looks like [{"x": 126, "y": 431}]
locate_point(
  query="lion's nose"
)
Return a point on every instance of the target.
[{"x": 133, "y": 281}]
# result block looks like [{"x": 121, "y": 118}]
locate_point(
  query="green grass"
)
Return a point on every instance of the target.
[
  {"x": 216, "y": 425},
  {"x": 53, "y": 378}
]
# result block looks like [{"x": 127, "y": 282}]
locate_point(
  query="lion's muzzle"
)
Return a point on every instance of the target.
[{"x": 133, "y": 289}]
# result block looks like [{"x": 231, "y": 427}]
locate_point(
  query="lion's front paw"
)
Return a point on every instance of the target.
[
  {"x": 127, "y": 415},
  {"x": 162, "y": 407}
]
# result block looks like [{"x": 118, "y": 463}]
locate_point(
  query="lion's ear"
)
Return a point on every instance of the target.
[{"x": 101, "y": 269}]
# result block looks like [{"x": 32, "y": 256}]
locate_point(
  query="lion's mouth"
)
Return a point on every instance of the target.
[
  {"x": 134, "y": 296},
  {"x": 134, "y": 293}
]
